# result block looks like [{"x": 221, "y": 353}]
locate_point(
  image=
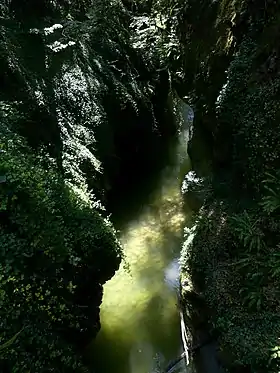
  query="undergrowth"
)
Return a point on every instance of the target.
[
  {"x": 77, "y": 109},
  {"x": 234, "y": 258}
]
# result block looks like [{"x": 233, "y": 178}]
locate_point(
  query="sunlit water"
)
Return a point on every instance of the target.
[{"x": 139, "y": 315}]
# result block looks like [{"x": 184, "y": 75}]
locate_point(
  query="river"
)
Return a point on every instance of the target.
[{"x": 140, "y": 321}]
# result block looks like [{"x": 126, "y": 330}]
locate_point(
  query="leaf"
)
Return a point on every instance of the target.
[
  {"x": 10, "y": 341},
  {"x": 252, "y": 302},
  {"x": 272, "y": 191},
  {"x": 27, "y": 255},
  {"x": 276, "y": 272},
  {"x": 243, "y": 261}
]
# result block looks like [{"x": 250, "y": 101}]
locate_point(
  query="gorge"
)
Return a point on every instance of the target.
[{"x": 110, "y": 186}]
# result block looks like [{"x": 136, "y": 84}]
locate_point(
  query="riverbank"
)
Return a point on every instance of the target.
[
  {"x": 201, "y": 344},
  {"x": 232, "y": 81}
]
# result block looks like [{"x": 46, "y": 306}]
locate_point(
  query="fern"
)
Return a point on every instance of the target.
[
  {"x": 274, "y": 263},
  {"x": 253, "y": 300},
  {"x": 248, "y": 231},
  {"x": 271, "y": 202}
]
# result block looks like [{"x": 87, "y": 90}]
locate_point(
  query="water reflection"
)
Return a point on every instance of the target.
[
  {"x": 140, "y": 323},
  {"x": 172, "y": 274},
  {"x": 139, "y": 317}
]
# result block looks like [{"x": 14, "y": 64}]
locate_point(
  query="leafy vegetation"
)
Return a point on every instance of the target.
[
  {"x": 80, "y": 119},
  {"x": 231, "y": 77},
  {"x": 53, "y": 246}
]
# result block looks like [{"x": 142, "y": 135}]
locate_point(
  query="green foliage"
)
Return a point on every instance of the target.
[
  {"x": 75, "y": 89},
  {"x": 253, "y": 348},
  {"x": 73, "y": 84},
  {"x": 52, "y": 243},
  {"x": 248, "y": 231},
  {"x": 156, "y": 37},
  {"x": 9, "y": 342},
  {"x": 234, "y": 257},
  {"x": 271, "y": 202}
]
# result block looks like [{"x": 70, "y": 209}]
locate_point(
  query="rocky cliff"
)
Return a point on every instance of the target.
[
  {"x": 79, "y": 119},
  {"x": 231, "y": 78}
]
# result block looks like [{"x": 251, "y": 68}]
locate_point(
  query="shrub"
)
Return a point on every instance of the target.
[{"x": 53, "y": 246}]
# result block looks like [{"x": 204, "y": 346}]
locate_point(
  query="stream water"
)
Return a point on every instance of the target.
[{"x": 140, "y": 321}]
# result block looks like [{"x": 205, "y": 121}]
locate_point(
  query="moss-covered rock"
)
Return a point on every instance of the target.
[
  {"x": 232, "y": 80},
  {"x": 80, "y": 120}
]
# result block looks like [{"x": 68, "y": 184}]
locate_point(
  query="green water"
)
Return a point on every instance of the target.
[{"x": 140, "y": 330}]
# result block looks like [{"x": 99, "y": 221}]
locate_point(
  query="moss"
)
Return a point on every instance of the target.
[
  {"x": 79, "y": 117},
  {"x": 232, "y": 258},
  {"x": 51, "y": 245}
]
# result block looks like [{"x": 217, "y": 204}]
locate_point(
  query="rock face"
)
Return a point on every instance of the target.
[
  {"x": 78, "y": 115},
  {"x": 232, "y": 81}
]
